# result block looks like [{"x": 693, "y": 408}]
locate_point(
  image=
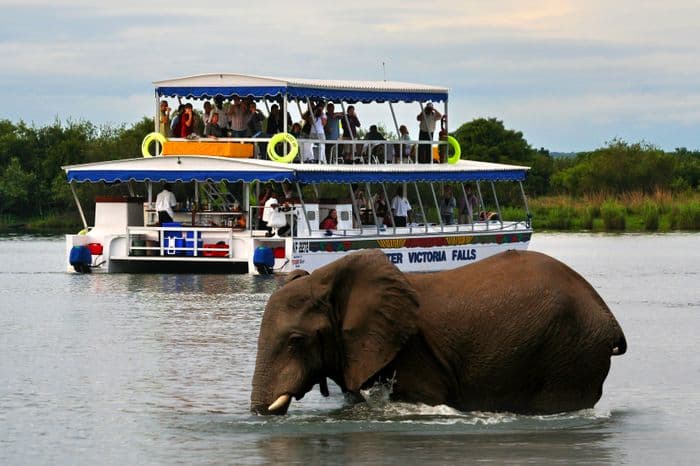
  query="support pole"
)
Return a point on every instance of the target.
[
  {"x": 374, "y": 214},
  {"x": 498, "y": 206},
  {"x": 420, "y": 203},
  {"x": 80, "y": 207},
  {"x": 437, "y": 205},
  {"x": 388, "y": 207},
  {"x": 303, "y": 208}
]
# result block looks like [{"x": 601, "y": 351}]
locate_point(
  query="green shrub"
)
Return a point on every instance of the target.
[
  {"x": 651, "y": 213},
  {"x": 686, "y": 216},
  {"x": 613, "y": 215}
]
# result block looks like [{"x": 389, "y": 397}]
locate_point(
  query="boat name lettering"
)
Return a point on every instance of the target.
[
  {"x": 427, "y": 256},
  {"x": 301, "y": 246},
  {"x": 395, "y": 257},
  {"x": 463, "y": 254}
]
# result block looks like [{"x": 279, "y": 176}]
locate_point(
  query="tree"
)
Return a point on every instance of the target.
[
  {"x": 15, "y": 186},
  {"x": 487, "y": 140}
]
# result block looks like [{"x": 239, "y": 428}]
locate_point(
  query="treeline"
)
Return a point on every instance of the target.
[{"x": 33, "y": 186}]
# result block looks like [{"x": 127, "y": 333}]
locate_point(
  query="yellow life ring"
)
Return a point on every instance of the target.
[
  {"x": 455, "y": 146},
  {"x": 276, "y": 139},
  {"x": 150, "y": 137}
]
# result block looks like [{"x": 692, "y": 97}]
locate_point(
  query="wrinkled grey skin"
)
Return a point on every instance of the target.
[{"x": 518, "y": 332}]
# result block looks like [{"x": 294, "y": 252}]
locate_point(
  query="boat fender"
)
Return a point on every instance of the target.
[
  {"x": 264, "y": 260},
  {"x": 150, "y": 137},
  {"x": 456, "y": 147},
  {"x": 80, "y": 258},
  {"x": 276, "y": 139}
]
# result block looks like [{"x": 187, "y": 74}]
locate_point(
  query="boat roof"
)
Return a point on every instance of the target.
[
  {"x": 188, "y": 168},
  {"x": 207, "y": 86}
]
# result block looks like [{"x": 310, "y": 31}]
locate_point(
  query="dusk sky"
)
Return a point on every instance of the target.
[{"x": 570, "y": 75}]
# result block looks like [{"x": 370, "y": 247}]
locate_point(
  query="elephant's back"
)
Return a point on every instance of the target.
[{"x": 502, "y": 319}]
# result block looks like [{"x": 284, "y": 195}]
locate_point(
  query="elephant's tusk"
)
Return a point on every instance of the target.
[
  {"x": 280, "y": 402},
  {"x": 323, "y": 386}
]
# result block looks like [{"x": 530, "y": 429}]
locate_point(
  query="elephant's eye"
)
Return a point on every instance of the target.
[{"x": 296, "y": 342}]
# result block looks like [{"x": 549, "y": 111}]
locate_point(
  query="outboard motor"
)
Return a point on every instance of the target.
[
  {"x": 264, "y": 260},
  {"x": 81, "y": 259}
]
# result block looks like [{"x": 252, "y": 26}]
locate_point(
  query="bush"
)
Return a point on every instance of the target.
[
  {"x": 686, "y": 216},
  {"x": 613, "y": 215},
  {"x": 650, "y": 216}
]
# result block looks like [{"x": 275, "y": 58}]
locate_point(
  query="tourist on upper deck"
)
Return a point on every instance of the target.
[
  {"x": 401, "y": 208},
  {"x": 379, "y": 151},
  {"x": 206, "y": 113},
  {"x": 428, "y": 117},
  {"x": 222, "y": 119},
  {"x": 187, "y": 121},
  {"x": 212, "y": 128},
  {"x": 295, "y": 130},
  {"x": 331, "y": 221},
  {"x": 275, "y": 121},
  {"x": 405, "y": 149},
  {"x": 238, "y": 116},
  {"x": 350, "y": 122},
  {"x": 332, "y": 128},
  {"x": 447, "y": 206},
  {"x": 175, "y": 122},
  {"x": 165, "y": 201},
  {"x": 164, "y": 122},
  {"x": 316, "y": 121},
  {"x": 255, "y": 120}
]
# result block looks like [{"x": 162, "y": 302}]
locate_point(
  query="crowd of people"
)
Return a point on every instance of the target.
[{"x": 320, "y": 124}]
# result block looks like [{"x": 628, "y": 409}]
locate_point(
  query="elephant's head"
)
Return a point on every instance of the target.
[{"x": 345, "y": 321}]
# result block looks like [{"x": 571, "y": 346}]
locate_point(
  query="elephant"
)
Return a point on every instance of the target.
[{"x": 517, "y": 332}]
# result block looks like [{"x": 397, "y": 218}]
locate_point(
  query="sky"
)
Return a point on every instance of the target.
[{"x": 570, "y": 75}]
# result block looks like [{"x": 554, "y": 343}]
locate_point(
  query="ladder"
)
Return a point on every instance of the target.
[{"x": 219, "y": 195}]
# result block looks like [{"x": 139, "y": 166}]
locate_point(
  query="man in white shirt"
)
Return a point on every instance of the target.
[
  {"x": 400, "y": 207},
  {"x": 428, "y": 117},
  {"x": 270, "y": 206},
  {"x": 165, "y": 201}
]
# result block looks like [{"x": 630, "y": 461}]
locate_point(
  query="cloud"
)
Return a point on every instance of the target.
[{"x": 563, "y": 72}]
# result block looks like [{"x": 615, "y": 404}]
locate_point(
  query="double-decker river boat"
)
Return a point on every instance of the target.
[{"x": 222, "y": 184}]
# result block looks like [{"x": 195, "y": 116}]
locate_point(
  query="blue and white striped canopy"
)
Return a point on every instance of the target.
[
  {"x": 197, "y": 168},
  {"x": 207, "y": 86}
]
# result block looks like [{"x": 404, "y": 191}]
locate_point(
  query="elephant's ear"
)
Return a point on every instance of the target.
[{"x": 377, "y": 312}]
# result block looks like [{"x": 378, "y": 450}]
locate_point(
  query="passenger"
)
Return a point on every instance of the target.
[
  {"x": 175, "y": 122},
  {"x": 255, "y": 120},
  {"x": 467, "y": 206},
  {"x": 447, "y": 206},
  {"x": 274, "y": 121},
  {"x": 295, "y": 130},
  {"x": 222, "y": 119},
  {"x": 350, "y": 123},
  {"x": 164, "y": 123},
  {"x": 380, "y": 208},
  {"x": 187, "y": 122},
  {"x": 206, "y": 113},
  {"x": 314, "y": 123},
  {"x": 405, "y": 149},
  {"x": 269, "y": 210},
  {"x": 287, "y": 192},
  {"x": 332, "y": 129},
  {"x": 401, "y": 208},
  {"x": 262, "y": 224},
  {"x": 238, "y": 117},
  {"x": 331, "y": 221},
  {"x": 488, "y": 216},
  {"x": 428, "y": 117},
  {"x": 165, "y": 201},
  {"x": 212, "y": 129},
  {"x": 377, "y": 150}
]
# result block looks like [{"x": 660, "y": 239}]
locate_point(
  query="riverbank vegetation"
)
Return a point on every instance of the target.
[{"x": 619, "y": 187}]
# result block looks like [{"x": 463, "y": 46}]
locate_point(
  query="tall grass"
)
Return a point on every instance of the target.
[{"x": 632, "y": 211}]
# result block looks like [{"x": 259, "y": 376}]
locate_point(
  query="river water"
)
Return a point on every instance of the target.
[{"x": 156, "y": 369}]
